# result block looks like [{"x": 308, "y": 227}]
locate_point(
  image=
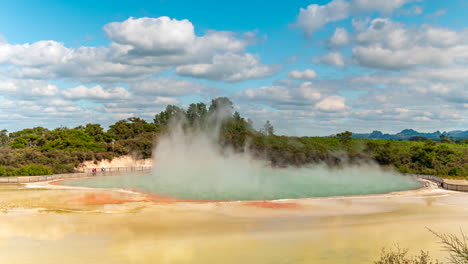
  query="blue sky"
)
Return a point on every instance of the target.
[{"x": 311, "y": 67}]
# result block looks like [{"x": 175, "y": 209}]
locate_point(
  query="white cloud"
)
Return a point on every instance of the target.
[
  {"x": 50, "y": 60},
  {"x": 384, "y": 6},
  {"x": 389, "y": 45},
  {"x": 307, "y": 74},
  {"x": 315, "y": 16},
  {"x": 164, "y": 36},
  {"x": 332, "y": 104},
  {"x": 229, "y": 67},
  {"x": 360, "y": 24},
  {"x": 27, "y": 88},
  {"x": 421, "y": 89},
  {"x": 161, "y": 35},
  {"x": 40, "y": 53},
  {"x": 340, "y": 37},
  {"x": 448, "y": 74},
  {"x": 165, "y": 101},
  {"x": 44, "y": 90},
  {"x": 95, "y": 93},
  {"x": 333, "y": 58},
  {"x": 282, "y": 97},
  {"x": 170, "y": 87},
  {"x": 140, "y": 48}
]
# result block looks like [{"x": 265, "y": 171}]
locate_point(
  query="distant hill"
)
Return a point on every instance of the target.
[{"x": 406, "y": 134}]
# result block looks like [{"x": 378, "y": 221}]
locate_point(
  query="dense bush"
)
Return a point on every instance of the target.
[{"x": 26, "y": 170}]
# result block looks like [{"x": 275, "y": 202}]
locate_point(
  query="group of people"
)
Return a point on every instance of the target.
[{"x": 94, "y": 170}]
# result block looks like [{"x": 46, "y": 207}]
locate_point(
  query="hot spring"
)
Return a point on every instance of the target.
[
  {"x": 264, "y": 184},
  {"x": 194, "y": 166}
]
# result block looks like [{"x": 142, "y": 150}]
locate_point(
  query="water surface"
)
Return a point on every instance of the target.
[{"x": 260, "y": 184}]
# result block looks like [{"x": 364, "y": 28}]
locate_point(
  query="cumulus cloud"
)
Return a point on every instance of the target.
[
  {"x": 315, "y": 16},
  {"x": 170, "y": 87},
  {"x": 384, "y": 6},
  {"x": 165, "y": 101},
  {"x": 41, "y": 112},
  {"x": 445, "y": 85},
  {"x": 430, "y": 64},
  {"x": 389, "y": 45},
  {"x": 332, "y": 104},
  {"x": 161, "y": 35},
  {"x": 307, "y": 74},
  {"x": 303, "y": 96},
  {"x": 41, "y": 53},
  {"x": 340, "y": 37},
  {"x": 229, "y": 67},
  {"x": 333, "y": 58},
  {"x": 166, "y": 41},
  {"x": 96, "y": 92},
  {"x": 52, "y": 60},
  {"x": 140, "y": 48},
  {"x": 27, "y": 88}
]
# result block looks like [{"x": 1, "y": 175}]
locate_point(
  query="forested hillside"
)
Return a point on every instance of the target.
[{"x": 40, "y": 151}]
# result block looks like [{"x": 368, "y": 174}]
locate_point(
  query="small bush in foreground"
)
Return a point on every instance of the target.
[
  {"x": 456, "y": 246},
  {"x": 400, "y": 256}
]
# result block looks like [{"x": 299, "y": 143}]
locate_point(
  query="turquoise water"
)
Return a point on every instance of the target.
[{"x": 260, "y": 184}]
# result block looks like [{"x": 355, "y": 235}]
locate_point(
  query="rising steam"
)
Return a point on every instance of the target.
[{"x": 190, "y": 163}]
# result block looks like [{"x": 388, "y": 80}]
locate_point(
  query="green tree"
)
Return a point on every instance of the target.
[
  {"x": 424, "y": 155},
  {"x": 130, "y": 128},
  {"x": 3, "y": 136},
  {"x": 29, "y": 137},
  {"x": 96, "y": 131},
  {"x": 71, "y": 140},
  {"x": 417, "y": 138},
  {"x": 221, "y": 105},
  {"x": 268, "y": 128},
  {"x": 444, "y": 139},
  {"x": 196, "y": 113},
  {"x": 345, "y": 137},
  {"x": 171, "y": 112}
]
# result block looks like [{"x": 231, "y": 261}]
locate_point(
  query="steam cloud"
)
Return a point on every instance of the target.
[{"x": 191, "y": 164}]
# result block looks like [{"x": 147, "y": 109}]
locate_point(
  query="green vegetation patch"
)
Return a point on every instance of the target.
[{"x": 62, "y": 149}]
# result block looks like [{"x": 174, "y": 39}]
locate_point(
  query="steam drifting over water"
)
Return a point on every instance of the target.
[{"x": 192, "y": 165}]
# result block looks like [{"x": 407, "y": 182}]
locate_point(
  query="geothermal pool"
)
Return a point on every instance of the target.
[
  {"x": 45, "y": 224},
  {"x": 193, "y": 165},
  {"x": 205, "y": 183}
]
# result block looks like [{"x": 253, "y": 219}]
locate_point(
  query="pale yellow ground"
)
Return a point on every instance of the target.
[{"x": 56, "y": 225}]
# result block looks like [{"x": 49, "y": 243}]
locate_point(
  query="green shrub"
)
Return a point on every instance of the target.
[
  {"x": 32, "y": 170},
  {"x": 27, "y": 170},
  {"x": 7, "y": 171}
]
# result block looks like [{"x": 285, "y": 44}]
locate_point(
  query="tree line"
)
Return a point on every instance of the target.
[{"x": 38, "y": 150}]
